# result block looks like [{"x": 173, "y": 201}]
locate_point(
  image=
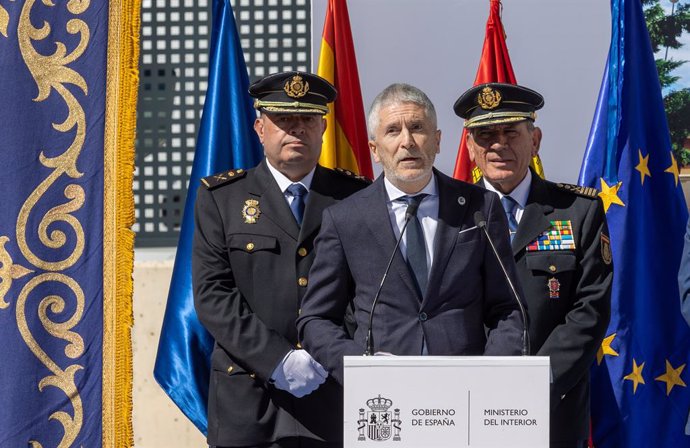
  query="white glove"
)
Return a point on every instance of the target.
[{"x": 299, "y": 374}]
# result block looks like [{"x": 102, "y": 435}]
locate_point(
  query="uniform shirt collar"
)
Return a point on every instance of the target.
[
  {"x": 519, "y": 193},
  {"x": 284, "y": 182}
]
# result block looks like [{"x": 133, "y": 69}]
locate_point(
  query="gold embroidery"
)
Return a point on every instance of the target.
[
  {"x": 489, "y": 98},
  {"x": 62, "y": 379},
  {"x": 8, "y": 272},
  {"x": 4, "y": 21},
  {"x": 51, "y": 73},
  {"x": 296, "y": 87}
]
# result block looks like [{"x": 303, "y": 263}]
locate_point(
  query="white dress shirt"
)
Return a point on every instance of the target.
[
  {"x": 284, "y": 182},
  {"x": 427, "y": 215},
  {"x": 519, "y": 193}
]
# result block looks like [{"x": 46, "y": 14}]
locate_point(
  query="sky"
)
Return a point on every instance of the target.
[{"x": 436, "y": 46}]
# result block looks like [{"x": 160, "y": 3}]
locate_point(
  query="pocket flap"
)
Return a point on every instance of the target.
[
  {"x": 252, "y": 243},
  {"x": 551, "y": 262}
]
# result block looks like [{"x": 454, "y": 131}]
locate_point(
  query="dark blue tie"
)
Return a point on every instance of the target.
[
  {"x": 416, "y": 247},
  {"x": 299, "y": 194},
  {"x": 509, "y": 205}
]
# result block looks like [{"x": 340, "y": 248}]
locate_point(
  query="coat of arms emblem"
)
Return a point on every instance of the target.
[
  {"x": 296, "y": 87},
  {"x": 380, "y": 423},
  {"x": 489, "y": 98}
]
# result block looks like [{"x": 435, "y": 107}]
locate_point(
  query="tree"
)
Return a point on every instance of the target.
[{"x": 665, "y": 31}]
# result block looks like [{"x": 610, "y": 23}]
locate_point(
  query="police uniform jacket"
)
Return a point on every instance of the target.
[
  {"x": 568, "y": 295},
  {"x": 466, "y": 291},
  {"x": 250, "y": 269}
]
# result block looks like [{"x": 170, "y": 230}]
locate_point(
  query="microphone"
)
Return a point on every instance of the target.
[
  {"x": 409, "y": 213},
  {"x": 480, "y": 222}
]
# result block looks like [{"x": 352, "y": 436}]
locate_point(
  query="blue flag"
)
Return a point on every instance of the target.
[
  {"x": 67, "y": 115},
  {"x": 639, "y": 382},
  {"x": 226, "y": 140}
]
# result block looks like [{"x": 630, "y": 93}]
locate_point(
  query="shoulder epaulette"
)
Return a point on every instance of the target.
[
  {"x": 216, "y": 180},
  {"x": 351, "y": 175},
  {"x": 588, "y": 192}
]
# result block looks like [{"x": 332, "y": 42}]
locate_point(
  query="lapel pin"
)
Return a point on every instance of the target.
[{"x": 461, "y": 200}]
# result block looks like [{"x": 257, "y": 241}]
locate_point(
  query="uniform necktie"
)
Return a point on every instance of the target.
[
  {"x": 298, "y": 193},
  {"x": 416, "y": 247},
  {"x": 509, "y": 205}
]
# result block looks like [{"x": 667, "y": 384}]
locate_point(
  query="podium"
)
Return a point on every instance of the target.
[{"x": 446, "y": 401}]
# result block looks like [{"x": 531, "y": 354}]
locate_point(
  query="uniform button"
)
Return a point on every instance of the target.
[
  {"x": 250, "y": 247},
  {"x": 231, "y": 174},
  {"x": 302, "y": 281},
  {"x": 422, "y": 316},
  {"x": 230, "y": 369},
  {"x": 302, "y": 252},
  {"x": 299, "y": 346},
  {"x": 239, "y": 171},
  {"x": 299, "y": 311},
  {"x": 552, "y": 268},
  {"x": 252, "y": 375}
]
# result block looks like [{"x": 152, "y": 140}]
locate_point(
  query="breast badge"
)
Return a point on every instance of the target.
[
  {"x": 554, "y": 288},
  {"x": 250, "y": 211}
]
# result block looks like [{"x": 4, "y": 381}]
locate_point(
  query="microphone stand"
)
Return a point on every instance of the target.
[
  {"x": 480, "y": 222},
  {"x": 409, "y": 213}
]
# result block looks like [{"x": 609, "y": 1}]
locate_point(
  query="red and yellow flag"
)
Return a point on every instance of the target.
[
  {"x": 345, "y": 141},
  {"x": 494, "y": 66}
]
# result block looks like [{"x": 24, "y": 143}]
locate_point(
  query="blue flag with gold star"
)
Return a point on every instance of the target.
[{"x": 639, "y": 391}]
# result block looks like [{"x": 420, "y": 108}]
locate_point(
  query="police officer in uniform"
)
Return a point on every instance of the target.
[
  {"x": 560, "y": 244},
  {"x": 252, "y": 253}
]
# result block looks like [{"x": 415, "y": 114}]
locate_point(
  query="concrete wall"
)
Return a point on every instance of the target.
[{"x": 157, "y": 421}]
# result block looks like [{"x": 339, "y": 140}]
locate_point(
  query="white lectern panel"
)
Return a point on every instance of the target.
[{"x": 439, "y": 401}]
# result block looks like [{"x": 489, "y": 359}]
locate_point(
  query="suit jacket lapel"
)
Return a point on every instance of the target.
[
  {"x": 272, "y": 202},
  {"x": 379, "y": 223},
  {"x": 450, "y": 215},
  {"x": 320, "y": 196},
  {"x": 534, "y": 218}
]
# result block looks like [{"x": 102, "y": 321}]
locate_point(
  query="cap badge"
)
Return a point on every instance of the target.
[
  {"x": 296, "y": 87},
  {"x": 489, "y": 98},
  {"x": 250, "y": 211}
]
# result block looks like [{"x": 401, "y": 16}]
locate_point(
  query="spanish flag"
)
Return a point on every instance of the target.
[
  {"x": 345, "y": 141},
  {"x": 494, "y": 66}
]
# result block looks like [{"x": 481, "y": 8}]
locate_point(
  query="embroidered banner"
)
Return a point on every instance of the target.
[{"x": 67, "y": 100}]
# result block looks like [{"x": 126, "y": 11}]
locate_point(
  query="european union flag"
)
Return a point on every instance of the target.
[
  {"x": 639, "y": 385},
  {"x": 226, "y": 140},
  {"x": 68, "y": 77}
]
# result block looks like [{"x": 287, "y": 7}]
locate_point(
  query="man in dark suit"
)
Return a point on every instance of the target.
[
  {"x": 445, "y": 293},
  {"x": 560, "y": 244},
  {"x": 253, "y": 247}
]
